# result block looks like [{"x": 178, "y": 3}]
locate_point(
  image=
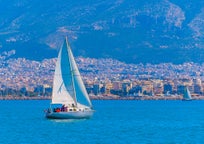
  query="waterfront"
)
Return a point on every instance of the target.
[
  {"x": 105, "y": 97},
  {"x": 113, "y": 122},
  {"x": 24, "y": 77}
]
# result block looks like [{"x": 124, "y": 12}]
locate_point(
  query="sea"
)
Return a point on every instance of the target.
[{"x": 114, "y": 122}]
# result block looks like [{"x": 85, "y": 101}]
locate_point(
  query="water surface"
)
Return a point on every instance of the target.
[{"x": 115, "y": 122}]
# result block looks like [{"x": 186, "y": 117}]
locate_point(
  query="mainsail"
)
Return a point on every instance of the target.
[{"x": 68, "y": 87}]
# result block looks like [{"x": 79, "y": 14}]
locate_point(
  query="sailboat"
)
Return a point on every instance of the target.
[
  {"x": 70, "y": 99},
  {"x": 187, "y": 95}
]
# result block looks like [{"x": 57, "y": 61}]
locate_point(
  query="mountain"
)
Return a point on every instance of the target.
[{"x": 132, "y": 31}]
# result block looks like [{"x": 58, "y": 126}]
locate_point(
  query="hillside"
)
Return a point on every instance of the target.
[{"x": 131, "y": 31}]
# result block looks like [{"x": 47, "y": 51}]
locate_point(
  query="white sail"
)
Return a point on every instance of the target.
[
  {"x": 80, "y": 90},
  {"x": 68, "y": 87},
  {"x": 187, "y": 94},
  {"x": 63, "y": 92}
]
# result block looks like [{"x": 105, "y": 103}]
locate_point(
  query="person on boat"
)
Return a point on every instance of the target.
[
  {"x": 63, "y": 108},
  {"x": 58, "y": 110},
  {"x": 73, "y": 105}
]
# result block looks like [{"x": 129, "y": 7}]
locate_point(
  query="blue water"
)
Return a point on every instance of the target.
[{"x": 114, "y": 122}]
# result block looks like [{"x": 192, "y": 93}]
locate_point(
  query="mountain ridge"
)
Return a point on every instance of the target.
[{"x": 130, "y": 31}]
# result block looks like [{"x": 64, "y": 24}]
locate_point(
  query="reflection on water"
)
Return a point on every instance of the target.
[{"x": 66, "y": 120}]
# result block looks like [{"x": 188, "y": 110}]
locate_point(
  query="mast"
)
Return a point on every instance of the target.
[{"x": 71, "y": 70}]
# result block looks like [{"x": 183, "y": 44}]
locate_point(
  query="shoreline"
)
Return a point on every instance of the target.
[
  {"x": 143, "y": 98},
  {"x": 105, "y": 98}
]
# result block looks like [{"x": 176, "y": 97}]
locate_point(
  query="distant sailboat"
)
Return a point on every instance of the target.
[
  {"x": 69, "y": 96},
  {"x": 167, "y": 93},
  {"x": 187, "y": 94}
]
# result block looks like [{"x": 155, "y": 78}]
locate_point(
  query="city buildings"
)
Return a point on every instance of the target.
[{"x": 19, "y": 76}]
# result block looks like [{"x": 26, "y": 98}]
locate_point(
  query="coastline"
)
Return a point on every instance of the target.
[
  {"x": 25, "y": 98},
  {"x": 101, "y": 97},
  {"x": 143, "y": 98}
]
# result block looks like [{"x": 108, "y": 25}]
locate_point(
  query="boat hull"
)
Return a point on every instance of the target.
[{"x": 70, "y": 115}]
